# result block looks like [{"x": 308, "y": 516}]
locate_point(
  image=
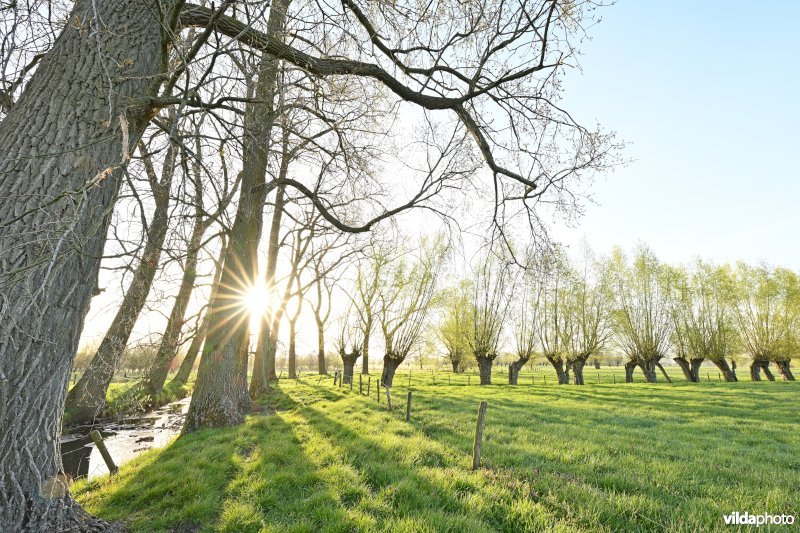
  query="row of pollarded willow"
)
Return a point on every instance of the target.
[{"x": 649, "y": 310}]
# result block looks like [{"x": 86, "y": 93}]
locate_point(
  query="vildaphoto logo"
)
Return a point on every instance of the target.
[{"x": 758, "y": 520}]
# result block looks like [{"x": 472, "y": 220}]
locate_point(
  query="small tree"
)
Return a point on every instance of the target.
[
  {"x": 405, "y": 300},
  {"x": 553, "y": 316},
  {"x": 589, "y": 307},
  {"x": 349, "y": 346},
  {"x": 642, "y": 310},
  {"x": 702, "y": 320},
  {"x": 490, "y": 305},
  {"x": 766, "y": 313},
  {"x": 455, "y": 330}
]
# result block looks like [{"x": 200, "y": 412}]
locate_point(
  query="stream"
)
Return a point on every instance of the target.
[{"x": 125, "y": 439}]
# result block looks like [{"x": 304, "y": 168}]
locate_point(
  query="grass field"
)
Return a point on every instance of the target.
[{"x": 632, "y": 457}]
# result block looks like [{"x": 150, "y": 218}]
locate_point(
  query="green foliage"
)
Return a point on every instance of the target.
[{"x": 596, "y": 458}]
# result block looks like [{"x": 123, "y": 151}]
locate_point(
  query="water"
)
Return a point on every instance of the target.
[{"x": 124, "y": 439}]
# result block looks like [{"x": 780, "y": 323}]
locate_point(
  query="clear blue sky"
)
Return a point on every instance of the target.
[{"x": 706, "y": 93}]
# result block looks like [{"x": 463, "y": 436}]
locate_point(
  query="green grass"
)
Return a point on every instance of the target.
[{"x": 633, "y": 457}]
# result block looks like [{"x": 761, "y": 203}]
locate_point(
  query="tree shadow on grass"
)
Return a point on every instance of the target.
[{"x": 244, "y": 478}]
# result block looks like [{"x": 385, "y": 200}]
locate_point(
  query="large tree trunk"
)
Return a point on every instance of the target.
[
  {"x": 562, "y": 370},
  {"x": 169, "y": 341},
  {"x": 577, "y": 371},
  {"x": 685, "y": 367},
  {"x": 514, "y": 368},
  {"x": 185, "y": 371},
  {"x": 454, "y": 364},
  {"x": 348, "y": 364},
  {"x": 728, "y": 373},
  {"x": 61, "y": 147},
  {"x": 216, "y": 399},
  {"x": 390, "y": 364},
  {"x": 755, "y": 370},
  {"x": 630, "y": 366},
  {"x": 88, "y": 397},
  {"x": 648, "y": 367},
  {"x": 784, "y": 369},
  {"x": 485, "y": 369}
]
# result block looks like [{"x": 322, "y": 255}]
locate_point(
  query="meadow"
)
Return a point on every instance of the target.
[{"x": 602, "y": 457}]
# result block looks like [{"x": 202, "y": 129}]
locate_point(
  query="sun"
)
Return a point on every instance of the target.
[{"x": 257, "y": 302}]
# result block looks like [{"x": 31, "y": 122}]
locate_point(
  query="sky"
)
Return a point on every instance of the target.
[{"x": 705, "y": 94}]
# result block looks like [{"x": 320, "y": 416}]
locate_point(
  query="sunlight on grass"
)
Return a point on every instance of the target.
[{"x": 607, "y": 457}]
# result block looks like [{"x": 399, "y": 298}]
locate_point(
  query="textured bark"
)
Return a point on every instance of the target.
[
  {"x": 755, "y": 371},
  {"x": 485, "y": 369},
  {"x": 348, "y": 364},
  {"x": 728, "y": 373},
  {"x": 217, "y": 396},
  {"x": 454, "y": 365},
  {"x": 390, "y": 364},
  {"x": 562, "y": 370},
  {"x": 61, "y": 147},
  {"x": 187, "y": 365},
  {"x": 784, "y": 369},
  {"x": 577, "y": 370},
  {"x": 630, "y": 366},
  {"x": 760, "y": 365},
  {"x": 683, "y": 363},
  {"x": 664, "y": 372},
  {"x": 648, "y": 367},
  {"x": 514, "y": 368},
  {"x": 88, "y": 397}
]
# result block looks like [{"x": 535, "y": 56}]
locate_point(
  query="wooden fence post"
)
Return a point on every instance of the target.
[
  {"x": 98, "y": 441},
  {"x": 369, "y": 385},
  {"x": 476, "y": 447},
  {"x": 408, "y": 407}
]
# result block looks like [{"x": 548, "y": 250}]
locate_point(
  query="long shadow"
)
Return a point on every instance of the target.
[
  {"x": 236, "y": 479},
  {"x": 397, "y": 479}
]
